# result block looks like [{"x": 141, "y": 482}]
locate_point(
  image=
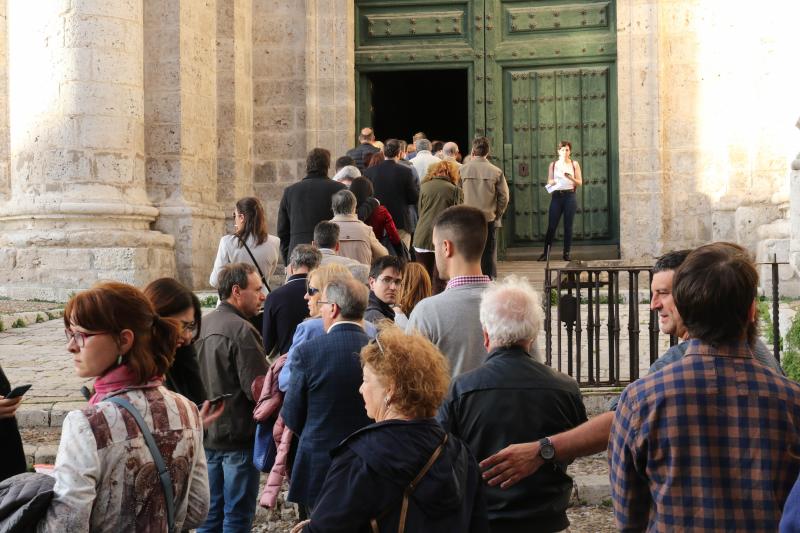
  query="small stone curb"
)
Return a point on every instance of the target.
[
  {"x": 591, "y": 489},
  {"x": 49, "y": 414},
  {"x": 30, "y": 317}
]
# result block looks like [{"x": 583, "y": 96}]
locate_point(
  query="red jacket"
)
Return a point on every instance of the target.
[{"x": 381, "y": 220}]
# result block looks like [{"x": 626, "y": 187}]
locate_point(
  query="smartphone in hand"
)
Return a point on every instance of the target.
[
  {"x": 214, "y": 401},
  {"x": 16, "y": 392}
]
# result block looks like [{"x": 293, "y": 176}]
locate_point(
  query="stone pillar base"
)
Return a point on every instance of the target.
[
  {"x": 54, "y": 273},
  {"x": 53, "y": 250},
  {"x": 197, "y": 230}
]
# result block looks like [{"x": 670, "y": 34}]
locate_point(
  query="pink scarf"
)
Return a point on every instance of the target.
[{"x": 119, "y": 378}]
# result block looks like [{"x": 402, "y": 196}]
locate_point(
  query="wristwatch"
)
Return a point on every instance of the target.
[{"x": 546, "y": 450}]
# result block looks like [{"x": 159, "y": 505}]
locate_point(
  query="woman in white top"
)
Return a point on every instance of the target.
[
  {"x": 250, "y": 225},
  {"x": 563, "y": 177}
]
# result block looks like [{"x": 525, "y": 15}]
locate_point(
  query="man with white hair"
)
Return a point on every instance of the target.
[
  {"x": 424, "y": 158},
  {"x": 514, "y": 398}
]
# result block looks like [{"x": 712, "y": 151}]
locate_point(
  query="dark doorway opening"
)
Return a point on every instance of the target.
[{"x": 433, "y": 101}]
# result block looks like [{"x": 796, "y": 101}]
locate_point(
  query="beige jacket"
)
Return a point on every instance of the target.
[
  {"x": 357, "y": 240},
  {"x": 485, "y": 187}
]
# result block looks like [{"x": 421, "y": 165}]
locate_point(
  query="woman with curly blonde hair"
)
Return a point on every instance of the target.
[
  {"x": 439, "y": 190},
  {"x": 404, "y": 472}
]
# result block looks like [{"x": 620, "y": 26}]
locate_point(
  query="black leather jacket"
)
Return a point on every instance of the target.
[{"x": 510, "y": 399}]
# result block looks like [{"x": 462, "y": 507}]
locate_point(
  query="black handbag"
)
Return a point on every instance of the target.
[{"x": 258, "y": 319}]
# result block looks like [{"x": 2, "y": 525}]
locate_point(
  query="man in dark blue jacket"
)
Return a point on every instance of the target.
[
  {"x": 286, "y": 306},
  {"x": 395, "y": 188},
  {"x": 514, "y": 398},
  {"x": 322, "y": 403}
]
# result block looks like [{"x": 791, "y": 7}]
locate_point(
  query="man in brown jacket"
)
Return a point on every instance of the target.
[
  {"x": 485, "y": 187},
  {"x": 356, "y": 239},
  {"x": 231, "y": 356}
]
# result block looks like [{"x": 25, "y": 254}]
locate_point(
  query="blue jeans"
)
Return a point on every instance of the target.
[
  {"x": 562, "y": 202},
  {"x": 233, "y": 483}
]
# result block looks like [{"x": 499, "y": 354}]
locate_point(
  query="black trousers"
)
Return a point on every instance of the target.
[
  {"x": 489, "y": 256},
  {"x": 561, "y": 203}
]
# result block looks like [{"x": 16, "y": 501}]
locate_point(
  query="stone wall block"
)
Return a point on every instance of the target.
[
  {"x": 124, "y": 9},
  {"x": 265, "y": 172},
  {"x": 88, "y": 98},
  {"x": 163, "y": 139},
  {"x": 113, "y": 67},
  {"x": 66, "y": 165},
  {"x": 106, "y": 133},
  {"x": 749, "y": 219},
  {"x": 112, "y": 167},
  {"x": 81, "y": 31},
  {"x": 111, "y": 259},
  {"x": 54, "y": 258}
]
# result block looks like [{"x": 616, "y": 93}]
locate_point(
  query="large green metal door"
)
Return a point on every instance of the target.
[
  {"x": 551, "y": 75},
  {"x": 396, "y": 35},
  {"x": 539, "y": 71}
]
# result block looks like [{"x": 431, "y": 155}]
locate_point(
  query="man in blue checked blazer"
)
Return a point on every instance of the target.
[{"x": 322, "y": 403}]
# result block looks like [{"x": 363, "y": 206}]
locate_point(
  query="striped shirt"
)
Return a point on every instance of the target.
[{"x": 709, "y": 443}]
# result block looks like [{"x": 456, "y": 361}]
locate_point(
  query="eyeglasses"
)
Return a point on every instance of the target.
[
  {"x": 79, "y": 337},
  {"x": 189, "y": 326},
  {"x": 389, "y": 280},
  {"x": 311, "y": 291},
  {"x": 322, "y": 302}
]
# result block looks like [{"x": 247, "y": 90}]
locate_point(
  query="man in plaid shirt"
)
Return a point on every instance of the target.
[{"x": 710, "y": 442}]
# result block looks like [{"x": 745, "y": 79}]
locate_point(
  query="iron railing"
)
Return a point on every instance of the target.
[{"x": 586, "y": 301}]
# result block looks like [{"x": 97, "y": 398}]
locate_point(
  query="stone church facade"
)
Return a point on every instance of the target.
[{"x": 128, "y": 128}]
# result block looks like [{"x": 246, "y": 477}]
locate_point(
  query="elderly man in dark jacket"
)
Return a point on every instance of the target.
[
  {"x": 322, "y": 403},
  {"x": 364, "y": 148},
  {"x": 513, "y": 398},
  {"x": 306, "y": 203},
  {"x": 231, "y": 357},
  {"x": 395, "y": 188},
  {"x": 286, "y": 306}
]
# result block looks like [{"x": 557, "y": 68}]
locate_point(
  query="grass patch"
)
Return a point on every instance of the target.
[
  {"x": 39, "y": 318},
  {"x": 211, "y": 301},
  {"x": 2, "y": 326},
  {"x": 18, "y": 323},
  {"x": 51, "y": 316},
  {"x": 765, "y": 320}
]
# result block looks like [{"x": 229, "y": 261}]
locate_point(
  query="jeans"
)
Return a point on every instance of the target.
[
  {"x": 562, "y": 202},
  {"x": 233, "y": 483},
  {"x": 489, "y": 257}
]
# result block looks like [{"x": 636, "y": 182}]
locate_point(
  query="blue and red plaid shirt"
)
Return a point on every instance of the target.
[
  {"x": 709, "y": 443},
  {"x": 458, "y": 281}
]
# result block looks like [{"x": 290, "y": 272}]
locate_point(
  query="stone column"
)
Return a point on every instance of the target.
[
  {"x": 77, "y": 209},
  {"x": 234, "y": 101},
  {"x": 279, "y": 99},
  {"x": 330, "y": 83},
  {"x": 180, "y": 110}
]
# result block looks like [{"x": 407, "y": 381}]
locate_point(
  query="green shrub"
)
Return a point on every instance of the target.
[
  {"x": 791, "y": 364},
  {"x": 18, "y": 323},
  {"x": 792, "y": 339},
  {"x": 209, "y": 301},
  {"x": 2, "y": 326},
  {"x": 50, "y": 316},
  {"x": 39, "y": 318}
]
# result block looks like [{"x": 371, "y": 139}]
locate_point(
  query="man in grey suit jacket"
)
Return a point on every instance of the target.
[{"x": 322, "y": 403}]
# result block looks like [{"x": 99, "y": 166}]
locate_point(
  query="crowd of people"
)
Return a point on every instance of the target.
[{"x": 395, "y": 384}]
